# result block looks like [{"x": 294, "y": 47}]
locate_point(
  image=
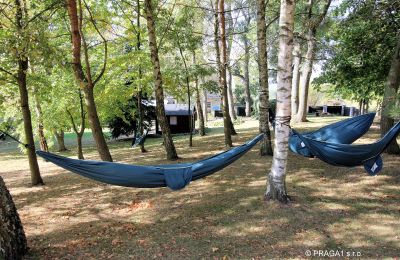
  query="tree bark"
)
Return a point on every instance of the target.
[
  {"x": 301, "y": 115},
  {"x": 139, "y": 95},
  {"x": 79, "y": 133},
  {"x": 231, "y": 100},
  {"x": 222, "y": 72},
  {"x": 276, "y": 187},
  {"x": 86, "y": 82},
  {"x": 296, "y": 76},
  {"x": 39, "y": 115},
  {"x": 391, "y": 88},
  {"x": 24, "y": 100},
  {"x": 13, "y": 244},
  {"x": 199, "y": 109},
  {"x": 80, "y": 148},
  {"x": 313, "y": 22},
  {"x": 205, "y": 106},
  {"x": 247, "y": 97},
  {"x": 159, "y": 92},
  {"x": 60, "y": 140},
  {"x": 266, "y": 146}
]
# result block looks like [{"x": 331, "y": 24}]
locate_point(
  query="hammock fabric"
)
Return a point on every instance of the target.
[
  {"x": 343, "y": 132},
  {"x": 348, "y": 155},
  {"x": 175, "y": 176}
]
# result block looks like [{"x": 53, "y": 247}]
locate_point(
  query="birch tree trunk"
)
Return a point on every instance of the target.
[
  {"x": 86, "y": 82},
  {"x": 231, "y": 101},
  {"x": 296, "y": 76},
  {"x": 13, "y": 243},
  {"x": 159, "y": 92},
  {"x": 276, "y": 187},
  {"x": 199, "y": 109},
  {"x": 391, "y": 87},
  {"x": 23, "y": 64},
  {"x": 222, "y": 63},
  {"x": 247, "y": 97},
  {"x": 266, "y": 146}
]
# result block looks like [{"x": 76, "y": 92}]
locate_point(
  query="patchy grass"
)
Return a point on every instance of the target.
[{"x": 222, "y": 215}]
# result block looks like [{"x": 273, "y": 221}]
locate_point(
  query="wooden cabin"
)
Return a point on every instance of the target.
[{"x": 178, "y": 116}]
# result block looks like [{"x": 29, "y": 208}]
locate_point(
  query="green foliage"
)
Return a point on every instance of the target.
[{"x": 362, "y": 40}]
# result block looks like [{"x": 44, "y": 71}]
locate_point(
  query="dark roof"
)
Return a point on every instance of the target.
[{"x": 177, "y": 110}]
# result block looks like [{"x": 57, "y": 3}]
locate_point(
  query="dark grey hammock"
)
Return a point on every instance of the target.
[
  {"x": 343, "y": 132},
  {"x": 175, "y": 176},
  {"x": 348, "y": 155}
]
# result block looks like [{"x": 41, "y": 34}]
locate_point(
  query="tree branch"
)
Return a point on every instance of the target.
[
  {"x": 51, "y": 6},
  {"x": 103, "y": 69}
]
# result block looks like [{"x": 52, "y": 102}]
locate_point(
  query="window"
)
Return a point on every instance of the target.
[{"x": 173, "y": 120}]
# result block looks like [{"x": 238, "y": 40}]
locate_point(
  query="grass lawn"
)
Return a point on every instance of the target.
[{"x": 223, "y": 215}]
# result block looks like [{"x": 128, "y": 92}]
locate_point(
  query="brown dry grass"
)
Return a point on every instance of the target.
[{"x": 223, "y": 215}]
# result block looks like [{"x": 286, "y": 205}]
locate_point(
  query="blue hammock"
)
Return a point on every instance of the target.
[
  {"x": 175, "y": 176},
  {"x": 343, "y": 132},
  {"x": 348, "y": 155}
]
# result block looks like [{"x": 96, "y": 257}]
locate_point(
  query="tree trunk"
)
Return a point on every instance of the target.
[
  {"x": 13, "y": 243},
  {"x": 60, "y": 140},
  {"x": 199, "y": 109},
  {"x": 80, "y": 148},
  {"x": 301, "y": 115},
  {"x": 79, "y": 133},
  {"x": 247, "y": 96},
  {"x": 39, "y": 115},
  {"x": 205, "y": 106},
  {"x": 276, "y": 187},
  {"x": 95, "y": 126},
  {"x": 162, "y": 119},
  {"x": 391, "y": 88},
  {"x": 139, "y": 95},
  {"x": 222, "y": 75},
  {"x": 86, "y": 83},
  {"x": 24, "y": 101},
  {"x": 266, "y": 146},
  {"x": 296, "y": 76},
  {"x": 231, "y": 101},
  {"x": 312, "y": 22}
]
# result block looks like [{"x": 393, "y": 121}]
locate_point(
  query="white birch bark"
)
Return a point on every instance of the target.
[{"x": 276, "y": 188}]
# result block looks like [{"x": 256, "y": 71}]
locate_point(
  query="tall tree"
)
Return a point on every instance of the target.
[
  {"x": 276, "y": 187},
  {"x": 246, "y": 64},
  {"x": 86, "y": 80},
  {"x": 158, "y": 84},
  {"x": 140, "y": 93},
  {"x": 199, "y": 109},
  {"x": 391, "y": 88},
  {"x": 230, "y": 32},
  {"x": 22, "y": 31},
  {"x": 222, "y": 65},
  {"x": 312, "y": 22},
  {"x": 266, "y": 146}
]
